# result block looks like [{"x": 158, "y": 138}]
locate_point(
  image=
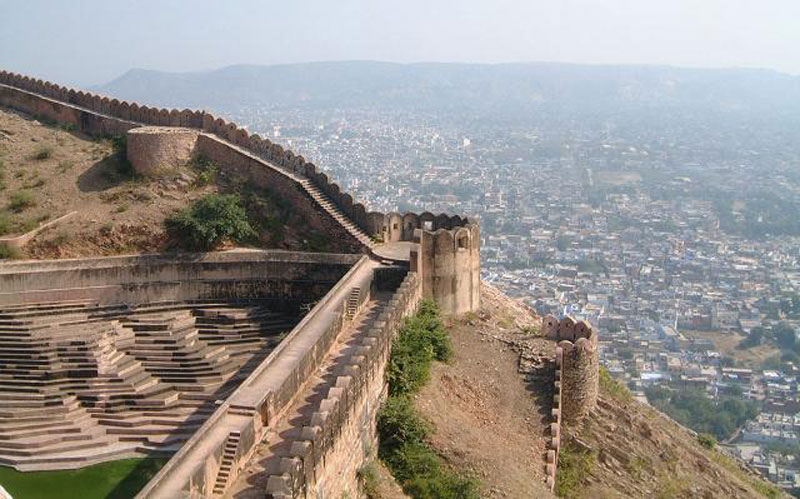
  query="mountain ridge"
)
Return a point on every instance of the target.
[{"x": 502, "y": 88}]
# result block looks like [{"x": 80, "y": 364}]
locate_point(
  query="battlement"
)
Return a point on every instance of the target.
[{"x": 576, "y": 380}]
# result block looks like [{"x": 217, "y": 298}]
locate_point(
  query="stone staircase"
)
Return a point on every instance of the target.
[
  {"x": 270, "y": 463},
  {"x": 327, "y": 204},
  {"x": 352, "y": 303},
  {"x": 320, "y": 198},
  {"x": 228, "y": 455},
  {"x": 81, "y": 383}
]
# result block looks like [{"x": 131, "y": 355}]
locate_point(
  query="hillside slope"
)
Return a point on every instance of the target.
[
  {"x": 48, "y": 171},
  {"x": 491, "y": 404}
]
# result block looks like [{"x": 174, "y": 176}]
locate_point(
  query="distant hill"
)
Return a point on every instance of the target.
[{"x": 501, "y": 89}]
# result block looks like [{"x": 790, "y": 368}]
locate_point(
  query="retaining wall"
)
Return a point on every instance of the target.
[
  {"x": 263, "y": 397},
  {"x": 291, "y": 278}
]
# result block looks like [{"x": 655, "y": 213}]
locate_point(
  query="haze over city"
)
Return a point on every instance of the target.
[{"x": 90, "y": 42}]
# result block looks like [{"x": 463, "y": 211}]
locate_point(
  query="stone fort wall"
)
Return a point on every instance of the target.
[
  {"x": 103, "y": 116},
  {"x": 576, "y": 380}
]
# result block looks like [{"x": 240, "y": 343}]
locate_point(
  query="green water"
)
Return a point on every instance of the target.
[{"x": 117, "y": 479}]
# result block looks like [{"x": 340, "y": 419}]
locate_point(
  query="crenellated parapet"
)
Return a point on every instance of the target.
[
  {"x": 577, "y": 347},
  {"x": 576, "y": 382},
  {"x": 448, "y": 262}
]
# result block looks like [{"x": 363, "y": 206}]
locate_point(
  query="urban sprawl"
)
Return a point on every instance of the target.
[{"x": 677, "y": 237}]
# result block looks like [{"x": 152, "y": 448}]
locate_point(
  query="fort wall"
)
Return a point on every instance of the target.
[
  {"x": 448, "y": 261},
  {"x": 576, "y": 384},
  {"x": 101, "y": 116},
  {"x": 157, "y": 150},
  {"x": 326, "y": 457},
  {"x": 445, "y": 266}
]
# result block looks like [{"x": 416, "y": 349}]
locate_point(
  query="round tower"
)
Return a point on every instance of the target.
[{"x": 579, "y": 371}]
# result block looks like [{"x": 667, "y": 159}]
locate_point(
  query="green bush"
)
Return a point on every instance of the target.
[
  {"x": 5, "y": 223},
  {"x": 8, "y": 252},
  {"x": 210, "y": 221},
  {"x": 574, "y": 465},
  {"x": 43, "y": 153},
  {"x": 707, "y": 441},
  {"x": 422, "y": 339},
  {"x": 399, "y": 425},
  {"x": 21, "y": 200},
  {"x": 207, "y": 171},
  {"x": 402, "y": 431}
]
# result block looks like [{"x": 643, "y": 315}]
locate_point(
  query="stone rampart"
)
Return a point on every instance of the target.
[
  {"x": 576, "y": 380},
  {"x": 102, "y": 116},
  {"x": 157, "y": 150},
  {"x": 343, "y": 430},
  {"x": 264, "y": 397},
  {"x": 448, "y": 261}
]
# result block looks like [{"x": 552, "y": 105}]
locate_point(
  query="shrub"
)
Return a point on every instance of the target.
[
  {"x": 399, "y": 425},
  {"x": 707, "y": 441},
  {"x": 574, "y": 464},
  {"x": 8, "y": 252},
  {"x": 369, "y": 479},
  {"x": 21, "y": 200},
  {"x": 421, "y": 340},
  {"x": 5, "y": 223},
  {"x": 402, "y": 432},
  {"x": 43, "y": 153},
  {"x": 207, "y": 171},
  {"x": 210, "y": 221}
]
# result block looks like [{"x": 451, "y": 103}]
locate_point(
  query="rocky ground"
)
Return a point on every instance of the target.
[
  {"x": 489, "y": 408},
  {"x": 635, "y": 451}
]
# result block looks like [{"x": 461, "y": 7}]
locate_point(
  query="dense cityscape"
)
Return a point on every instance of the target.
[{"x": 677, "y": 237}]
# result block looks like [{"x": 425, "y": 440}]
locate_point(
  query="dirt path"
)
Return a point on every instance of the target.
[{"x": 491, "y": 419}]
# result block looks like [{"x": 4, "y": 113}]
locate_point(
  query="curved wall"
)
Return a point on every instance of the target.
[{"x": 448, "y": 261}]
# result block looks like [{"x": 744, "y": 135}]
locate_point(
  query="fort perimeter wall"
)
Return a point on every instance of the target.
[
  {"x": 576, "y": 380},
  {"x": 226, "y": 143}
]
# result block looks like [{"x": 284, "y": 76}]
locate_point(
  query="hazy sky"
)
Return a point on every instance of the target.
[{"x": 93, "y": 41}]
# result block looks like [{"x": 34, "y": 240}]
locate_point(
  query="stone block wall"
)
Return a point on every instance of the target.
[
  {"x": 102, "y": 116},
  {"x": 576, "y": 380},
  {"x": 328, "y": 454},
  {"x": 448, "y": 261},
  {"x": 276, "y": 275}
]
